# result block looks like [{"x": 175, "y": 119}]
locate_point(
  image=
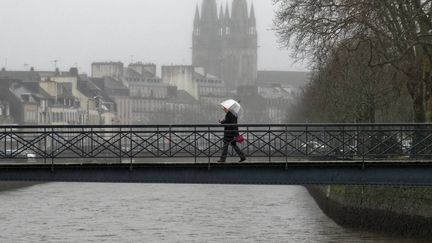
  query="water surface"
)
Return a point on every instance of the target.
[{"x": 97, "y": 212}]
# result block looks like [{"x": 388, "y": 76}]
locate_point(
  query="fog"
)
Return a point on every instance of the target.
[{"x": 78, "y": 32}]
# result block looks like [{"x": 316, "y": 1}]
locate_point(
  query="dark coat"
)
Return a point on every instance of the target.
[{"x": 230, "y": 131}]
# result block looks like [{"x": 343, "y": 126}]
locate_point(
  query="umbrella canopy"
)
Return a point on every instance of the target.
[{"x": 232, "y": 106}]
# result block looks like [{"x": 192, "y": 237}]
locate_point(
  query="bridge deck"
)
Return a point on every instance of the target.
[{"x": 417, "y": 173}]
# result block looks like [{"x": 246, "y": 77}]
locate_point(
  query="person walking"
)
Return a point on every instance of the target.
[{"x": 230, "y": 133}]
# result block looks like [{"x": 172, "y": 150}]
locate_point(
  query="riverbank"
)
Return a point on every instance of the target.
[
  {"x": 405, "y": 211},
  {"x": 10, "y": 185}
]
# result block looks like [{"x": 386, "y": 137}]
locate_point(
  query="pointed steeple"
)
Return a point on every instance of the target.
[
  {"x": 209, "y": 11},
  {"x": 197, "y": 16},
  {"x": 227, "y": 12},
  {"x": 252, "y": 20},
  {"x": 239, "y": 10},
  {"x": 221, "y": 13}
]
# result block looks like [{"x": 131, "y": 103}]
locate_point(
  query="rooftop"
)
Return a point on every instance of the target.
[
  {"x": 22, "y": 93},
  {"x": 27, "y": 76}
]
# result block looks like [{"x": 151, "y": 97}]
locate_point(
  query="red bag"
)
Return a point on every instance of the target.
[{"x": 239, "y": 139}]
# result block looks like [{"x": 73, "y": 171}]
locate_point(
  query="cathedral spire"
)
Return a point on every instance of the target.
[
  {"x": 221, "y": 13},
  {"x": 252, "y": 19},
  {"x": 227, "y": 12},
  {"x": 209, "y": 11},
  {"x": 239, "y": 10},
  {"x": 197, "y": 16}
]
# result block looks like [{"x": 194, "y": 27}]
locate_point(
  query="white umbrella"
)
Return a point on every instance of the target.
[{"x": 232, "y": 106}]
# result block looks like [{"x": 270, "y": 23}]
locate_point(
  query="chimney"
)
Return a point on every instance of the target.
[{"x": 31, "y": 69}]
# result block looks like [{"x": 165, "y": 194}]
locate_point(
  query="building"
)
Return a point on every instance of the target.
[
  {"x": 23, "y": 105},
  {"x": 62, "y": 108},
  {"x": 212, "y": 92},
  {"x": 99, "y": 107},
  {"x": 25, "y": 76},
  {"x": 76, "y": 100},
  {"x": 107, "y": 69},
  {"x": 145, "y": 70},
  {"x": 183, "y": 77},
  {"x": 225, "y": 45},
  {"x": 182, "y": 107},
  {"x": 148, "y": 94},
  {"x": 119, "y": 93}
]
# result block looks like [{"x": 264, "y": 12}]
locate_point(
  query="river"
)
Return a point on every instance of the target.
[{"x": 93, "y": 212}]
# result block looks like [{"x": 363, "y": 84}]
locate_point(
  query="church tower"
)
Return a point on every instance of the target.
[
  {"x": 206, "y": 46},
  {"x": 226, "y": 46}
]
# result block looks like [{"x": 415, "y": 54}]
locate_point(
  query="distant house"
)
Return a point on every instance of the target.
[
  {"x": 119, "y": 93},
  {"x": 23, "y": 104},
  {"x": 182, "y": 107}
]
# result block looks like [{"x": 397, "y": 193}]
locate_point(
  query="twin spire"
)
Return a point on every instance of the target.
[{"x": 209, "y": 13}]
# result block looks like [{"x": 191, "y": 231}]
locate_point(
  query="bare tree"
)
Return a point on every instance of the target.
[
  {"x": 354, "y": 93},
  {"x": 397, "y": 33}
]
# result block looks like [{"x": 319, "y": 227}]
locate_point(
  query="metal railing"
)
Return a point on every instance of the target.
[{"x": 204, "y": 143}]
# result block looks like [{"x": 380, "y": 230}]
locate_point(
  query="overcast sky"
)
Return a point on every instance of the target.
[{"x": 78, "y": 32}]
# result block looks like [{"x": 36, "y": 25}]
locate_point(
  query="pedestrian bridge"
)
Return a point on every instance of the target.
[{"x": 294, "y": 154}]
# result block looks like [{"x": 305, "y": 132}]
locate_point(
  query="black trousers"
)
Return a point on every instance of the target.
[{"x": 227, "y": 142}]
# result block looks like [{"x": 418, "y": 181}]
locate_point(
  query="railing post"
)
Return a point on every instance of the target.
[
  {"x": 5, "y": 144},
  {"x": 209, "y": 146},
  {"x": 130, "y": 149},
  {"x": 247, "y": 141},
  {"x": 343, "y": 141},
  {"x": 306, "y": 140},
  {"x": 120, "y": 145},
  {"x": 45, "y": 145},
  {"x": 195, "y": 144},
  {"x": 52, "y": 149},
  {"x": 91, "y": 143},
  {"x": 363, "y": 150},
  {"x": 269, "y": 144},
  {"x": 286, "y": 147},
  {"x": 157, "y": 143},
  {"x": 83, "y": 146},
  {"x": 170, "y": 142}
]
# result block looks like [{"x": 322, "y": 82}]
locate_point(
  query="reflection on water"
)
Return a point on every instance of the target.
[{"x": 77, "y": 212}]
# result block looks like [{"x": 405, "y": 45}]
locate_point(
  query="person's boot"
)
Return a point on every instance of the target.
[
  {"x": 242, "y": 159},
  {"x": 221, "y": 160}
]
